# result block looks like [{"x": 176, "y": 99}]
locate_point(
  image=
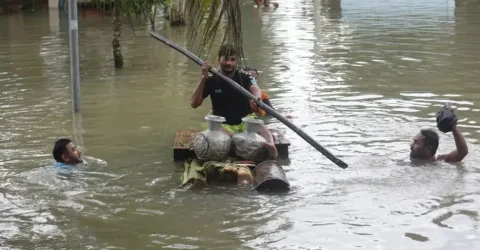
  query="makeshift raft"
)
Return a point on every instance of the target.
[
  {"x": 183, "y": 145},
  {"x": 266, "y": 176}
]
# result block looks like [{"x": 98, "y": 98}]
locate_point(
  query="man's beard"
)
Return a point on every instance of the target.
[
  {"x": 413, "y": 155},
  {"x": 228, "y": 69},
  {"x": 77, "y": 160},
  {"x": 418, "y": 155}
]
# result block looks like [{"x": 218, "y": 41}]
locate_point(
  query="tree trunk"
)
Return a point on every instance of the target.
[
  {"x": 152, "y": 18},
  {"x": 166, "y": 12},
  {"x": 177, "y": 13},
  {"x": 117, "y": 52}
]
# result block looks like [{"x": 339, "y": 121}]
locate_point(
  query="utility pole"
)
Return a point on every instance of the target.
[{"x": 74, "y": 58}]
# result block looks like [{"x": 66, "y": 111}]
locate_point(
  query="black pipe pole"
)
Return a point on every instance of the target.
[{"x": 259, "y": 103}]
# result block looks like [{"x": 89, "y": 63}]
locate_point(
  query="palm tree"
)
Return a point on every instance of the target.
[
  {"x": 177, "y": 13},
  {"x": 205, "y": 20},
  {"x": 148, "y": 8},
  {"x": 116, "y": 25}
]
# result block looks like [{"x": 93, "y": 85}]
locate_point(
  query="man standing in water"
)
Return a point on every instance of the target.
[
  {"x": 66, "y": 153},
  {"x": 425, "y": 143},
  {"x": 265, "y": 98},
  {"x": 253, "y": 72},
  {"x": 226, "y": 101}
]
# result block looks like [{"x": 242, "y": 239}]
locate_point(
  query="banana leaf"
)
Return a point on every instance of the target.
[
  {"x": 192, "y": 175},
  {"x": 197, "y": 175}
]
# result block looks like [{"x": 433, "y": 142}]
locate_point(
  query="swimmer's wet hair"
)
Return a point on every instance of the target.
[
  {"x": 60, "y": 148},
  {"x": 250, "y": 69}
]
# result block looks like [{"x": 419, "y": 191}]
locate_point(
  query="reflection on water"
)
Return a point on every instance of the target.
[{"x": 360, "y": 77}]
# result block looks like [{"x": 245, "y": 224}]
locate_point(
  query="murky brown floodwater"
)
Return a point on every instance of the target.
[{"x": 362, "y": 78}]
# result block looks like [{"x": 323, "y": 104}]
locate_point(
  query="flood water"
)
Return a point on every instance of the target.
[{"x": 361, "y": 77}]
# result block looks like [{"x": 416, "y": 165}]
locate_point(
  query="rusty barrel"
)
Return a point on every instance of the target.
[{"x": 269, "y": 176}]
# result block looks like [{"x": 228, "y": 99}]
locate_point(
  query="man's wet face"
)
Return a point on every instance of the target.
[
  {"x": 73, "y": 154},
  {"x": 228, "y": 63},
  {"x": 253, "y": 73},
  {"x": 417, "y": 147}
]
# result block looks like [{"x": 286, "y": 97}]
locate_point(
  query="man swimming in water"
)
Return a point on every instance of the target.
[
  {"x": 265, "y": 98},
  {"x": 425, "y": 144},
  {"x": 66, "y": 153}
]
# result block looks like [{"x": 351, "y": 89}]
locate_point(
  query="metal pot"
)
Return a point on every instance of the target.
[
  {"x": 249, "y": 145},
  {"x": 213, "y": 144},
  {"x": 269, "y": 176}
]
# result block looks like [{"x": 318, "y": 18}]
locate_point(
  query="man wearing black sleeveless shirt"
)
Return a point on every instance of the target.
[{"x": 226, "y": 101}]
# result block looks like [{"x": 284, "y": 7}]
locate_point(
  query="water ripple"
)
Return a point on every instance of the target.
[{"x": 360, "y": 77}]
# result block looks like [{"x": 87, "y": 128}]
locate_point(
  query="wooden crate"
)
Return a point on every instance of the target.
[{"x": 183, "y": 145}]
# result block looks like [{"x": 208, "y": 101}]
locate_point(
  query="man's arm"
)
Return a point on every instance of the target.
[
  {"x": 458, "y": 154},
  {"x": 198, "y": 95},
  {"x": 255, "y": 90},
  {"x": 251, "y": 84}
]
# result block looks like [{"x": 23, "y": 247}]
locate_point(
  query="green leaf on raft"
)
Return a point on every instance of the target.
[{"x": 191, "y": 175}]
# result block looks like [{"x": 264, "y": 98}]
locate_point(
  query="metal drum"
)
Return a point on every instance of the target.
[{"x": 269, "y": 176}]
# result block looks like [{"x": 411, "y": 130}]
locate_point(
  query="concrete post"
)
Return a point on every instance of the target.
[{"x": 74, "y": 57}]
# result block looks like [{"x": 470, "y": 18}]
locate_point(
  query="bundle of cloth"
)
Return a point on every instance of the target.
[{"x": 446, "y": 119}]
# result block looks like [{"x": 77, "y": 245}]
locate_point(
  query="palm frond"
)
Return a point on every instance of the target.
[
  {"x": 205, "y": 19},
  {"x": 145, "y": 8}
]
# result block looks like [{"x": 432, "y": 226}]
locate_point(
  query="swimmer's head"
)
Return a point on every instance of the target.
[
  {"x": 66, "y": 152},
  {"x": 251, "y": 71},
  {"x": 424, "y": 145}
]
